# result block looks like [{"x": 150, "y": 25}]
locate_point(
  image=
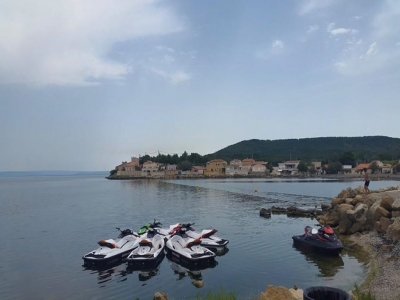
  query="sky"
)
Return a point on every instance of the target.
[{"x": 85, "y": 85}]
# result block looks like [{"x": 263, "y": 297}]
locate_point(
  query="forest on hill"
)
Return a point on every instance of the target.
[
  {"x": 327, "y": 149},
  {"x": 346, "y": 150}
]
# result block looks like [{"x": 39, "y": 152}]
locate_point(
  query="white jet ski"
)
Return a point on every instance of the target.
[
  {"x": 112, "y": 251},
  {"x": 207, "y": 237},
  {"x": 187, "y": 249},
  {"x": 150, "y": 250}
]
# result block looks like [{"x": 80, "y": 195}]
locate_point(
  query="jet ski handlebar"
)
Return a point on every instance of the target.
[{"x": 187, "y": 225}]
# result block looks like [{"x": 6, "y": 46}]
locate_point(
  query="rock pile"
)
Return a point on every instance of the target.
[{"x": 354, "y": 211}]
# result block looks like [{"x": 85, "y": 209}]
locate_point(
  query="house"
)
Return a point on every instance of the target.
[
  {"x": 150, "y": 166},
  {"x": 259, "y": 167},
  {"x": 360, "y": 168},
  {"x": 288, "y": 167},
  {"x": 235, "y": 167},
  {"x": 215, "y": 167},
  {"x": 171, "y": 167},
  {"x": 346, "y": 169},
  {"x": 131, "y": 168},
  {"x": 198, "y": 170},
  {"x": 317, "y": 166},
  {"x": 386, "y": 169},
  {"x": 382, "y": 168}
]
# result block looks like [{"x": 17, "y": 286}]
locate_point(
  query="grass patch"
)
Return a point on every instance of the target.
[
  {"x": 220, "y": 295},
  {"x": 361, "y": 295}
]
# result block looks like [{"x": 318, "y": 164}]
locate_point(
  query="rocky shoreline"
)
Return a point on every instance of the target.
[{"x": 371, "y": 221}]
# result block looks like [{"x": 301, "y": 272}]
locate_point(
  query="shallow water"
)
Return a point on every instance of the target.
[{"x": 48, "y": 223}]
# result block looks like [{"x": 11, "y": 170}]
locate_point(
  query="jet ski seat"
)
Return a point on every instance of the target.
[
  {"x": 208, "y": 233},
  {"x": 193, "y": 243},
  {"x": 145, "y": 242},
  {"x": 108, "y": 243}
]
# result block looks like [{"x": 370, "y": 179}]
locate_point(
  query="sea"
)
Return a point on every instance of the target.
[{"x": 49, "y": 221}]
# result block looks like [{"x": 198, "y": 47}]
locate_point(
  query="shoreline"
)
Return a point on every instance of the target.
[
  {"x": 383, "y": 276},
  {"x": 373, "y": 177}
]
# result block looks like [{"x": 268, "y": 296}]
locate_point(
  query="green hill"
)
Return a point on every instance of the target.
[{"x": 364, "y": 148}]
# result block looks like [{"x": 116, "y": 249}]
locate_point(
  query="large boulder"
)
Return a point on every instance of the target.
[
  {"x": 393, "y": 231},
  {"x": 358, "y": 213},
  {"x": 344, "y": 221},
  {"x": 337, "y": 201},
  {"x": 330, "y": 218},
  {"x": 387, "y": 202},
  {"x": 160, "y": 296},
  {"x": 381, "y": 212},
  {"x": 276, "y": 293},
  {"x": 396, "y": 205},
  {"x": 347, "y": 193},
  {"x": 266, "y": 213},
  {"x": 385, "y": 223}
]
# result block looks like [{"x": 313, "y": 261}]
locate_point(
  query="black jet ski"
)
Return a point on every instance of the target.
[{"x": 324, "y": 239}]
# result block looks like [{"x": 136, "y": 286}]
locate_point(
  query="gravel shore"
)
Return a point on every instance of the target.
[{"x": 384, "y": 278}]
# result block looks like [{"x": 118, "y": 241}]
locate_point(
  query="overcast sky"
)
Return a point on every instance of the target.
[{"x": 87, "y": 84}]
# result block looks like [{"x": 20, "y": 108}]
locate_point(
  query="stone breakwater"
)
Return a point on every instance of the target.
[
  {"x": 373, "y": 222},
  {"x": 354, "y": 211}
]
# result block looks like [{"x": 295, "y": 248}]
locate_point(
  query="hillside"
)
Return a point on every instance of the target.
[{"x": 323, "y": 148}]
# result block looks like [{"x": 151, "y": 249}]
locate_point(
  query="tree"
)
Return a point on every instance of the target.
[
  {"x": 302, "y": 167},
  {"x": 195, "y": 158},
  {"x": 184, "y": 156},
  {"x": 348, "y": 158},
  {"x": 113, "y": 171},
  {"x": 334, "y": 168},
  {"x": 185, "y": 166},
  {"x": 374, "y": 167}
]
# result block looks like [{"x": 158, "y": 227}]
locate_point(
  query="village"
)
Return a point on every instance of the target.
[{"x": 240, "y": 168}]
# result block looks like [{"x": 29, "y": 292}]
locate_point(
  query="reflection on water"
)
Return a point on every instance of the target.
[
  {"x": 182, "y": 270},
  {"x": 328, "y": 265}
]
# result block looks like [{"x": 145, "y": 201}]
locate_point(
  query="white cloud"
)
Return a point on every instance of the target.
[
  {"x": 337, "y": 31},
  {"x": 277, "y": 44},
  {"x": 313, "y": 6},
  {"x": 69, "y": 42},
  {"x": 173, "y": 77},
  {"x": 357, "y": 18},
  {"x": 312, "y": 28},
  {"x": 398, "y": 44},
  {"x": 372, "y": 48},
  {"x": 376, "y": 51},
  {"x": 276, "y": 48},
  {"x": 164, "y": 48}
]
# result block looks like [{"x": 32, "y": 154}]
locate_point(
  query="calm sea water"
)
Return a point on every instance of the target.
[{"x": 48, "y": 223}]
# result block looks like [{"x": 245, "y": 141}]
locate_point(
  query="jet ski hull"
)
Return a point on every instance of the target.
[
  {"x": 326, "y": 247},
  {"x": 94, "y": 260},
  {"x": 181, "y": 249}
]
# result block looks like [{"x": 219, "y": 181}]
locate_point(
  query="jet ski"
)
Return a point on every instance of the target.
[
  {"x": 323, "y": 239},
  {"x": 150, "y": 249},
  {"x": 112, "y": 251},
  {"x": 207, "y": 237},
  {"x": 168, "y": 232},
  {"x": 147, "y": 226},
  {"x": 187, "y": 249}
]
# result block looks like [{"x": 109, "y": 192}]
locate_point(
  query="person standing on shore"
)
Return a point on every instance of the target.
[{"x": 366, "y": 179}]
